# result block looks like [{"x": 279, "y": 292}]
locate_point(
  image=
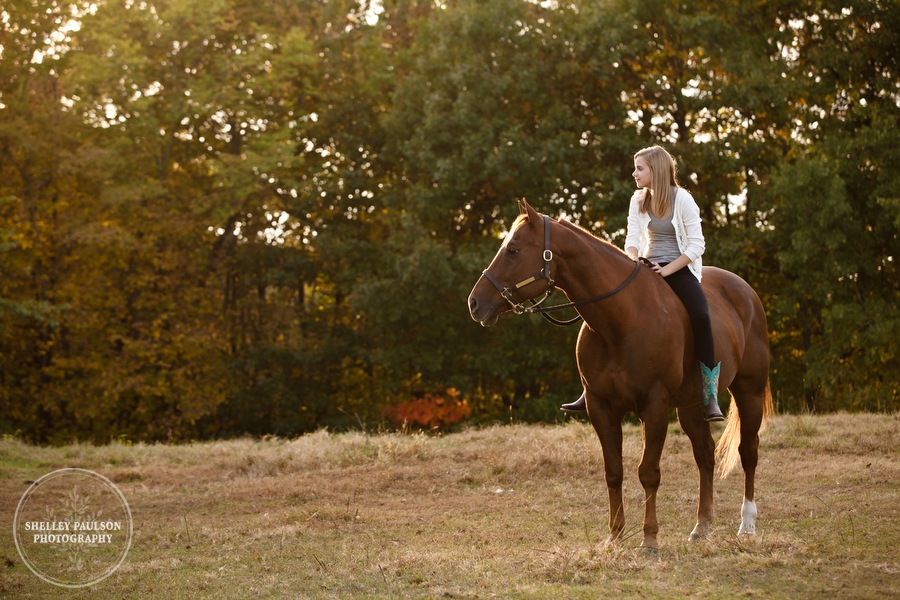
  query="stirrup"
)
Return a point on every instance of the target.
[{"x": 579, "y": 406}]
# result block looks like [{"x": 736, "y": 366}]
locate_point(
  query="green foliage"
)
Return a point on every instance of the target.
[{"x": 219, "y": 217}]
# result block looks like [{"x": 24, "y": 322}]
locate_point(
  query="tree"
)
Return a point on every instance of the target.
[
  {"x": 223, "y": 217},
  {"x": 836, "y": 222},
  {"x": 44, "y": 195}
]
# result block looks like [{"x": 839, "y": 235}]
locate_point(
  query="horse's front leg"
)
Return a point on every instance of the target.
[
  {"x": 654, "y": 420},
  {"x": 609, "y": 430},
  {"x": 697, "y": 430}
]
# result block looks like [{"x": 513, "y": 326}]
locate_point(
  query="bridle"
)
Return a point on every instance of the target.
[{"x": 519, "y": 307}]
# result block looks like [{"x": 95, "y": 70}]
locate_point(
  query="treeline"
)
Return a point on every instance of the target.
[{"x": 221, "y": 217}]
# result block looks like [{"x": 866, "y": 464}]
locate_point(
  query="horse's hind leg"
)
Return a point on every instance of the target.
[
  {"x": 697, "y": 430},
  {"x": 750, "y": 404},
  {"x": 749, "y": 451}
]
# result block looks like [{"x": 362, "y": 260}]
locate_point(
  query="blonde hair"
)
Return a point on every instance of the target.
[{"x": 663, "y": 178}]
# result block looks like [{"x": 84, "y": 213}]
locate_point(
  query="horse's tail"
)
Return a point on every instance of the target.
[{"x": 727, "y": 455}]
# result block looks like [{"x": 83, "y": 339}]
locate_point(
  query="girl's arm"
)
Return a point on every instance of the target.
[
  {"x": 674, "y": 266},
  {"x": 689, "y": 212},
  {"x": 633, "y": 232}
]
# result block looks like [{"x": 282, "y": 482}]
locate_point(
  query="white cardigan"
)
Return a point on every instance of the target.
[{"x": 685, "y": 218}]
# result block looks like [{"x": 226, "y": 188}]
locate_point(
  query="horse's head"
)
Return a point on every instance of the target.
[{"x": 516, "y": 274}]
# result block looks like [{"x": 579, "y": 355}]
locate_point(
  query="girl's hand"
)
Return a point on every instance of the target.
[{"x": 679, "y": 263}]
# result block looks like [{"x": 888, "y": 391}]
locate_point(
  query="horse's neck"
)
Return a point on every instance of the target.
[
  {"x": 589, "y": 267},
  {"x": 587, "y": 261}
]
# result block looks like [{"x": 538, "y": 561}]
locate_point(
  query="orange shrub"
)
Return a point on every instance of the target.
[{"x": 431, "y": 411}]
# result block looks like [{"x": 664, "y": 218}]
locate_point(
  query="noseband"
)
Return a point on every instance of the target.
[{"x": 519, "y": 307}]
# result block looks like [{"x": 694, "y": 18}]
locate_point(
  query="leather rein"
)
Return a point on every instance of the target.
[{"x": 519, "y": 307}]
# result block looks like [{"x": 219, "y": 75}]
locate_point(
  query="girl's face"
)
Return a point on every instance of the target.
[{"x": 641, "y": 173}]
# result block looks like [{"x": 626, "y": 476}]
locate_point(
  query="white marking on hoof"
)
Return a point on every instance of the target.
[{"x": 748, "y": 518}]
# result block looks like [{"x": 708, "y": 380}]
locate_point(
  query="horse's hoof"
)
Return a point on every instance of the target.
[
  {"x": 700, "y": 531},
  {"x": 651, "y": 550}
]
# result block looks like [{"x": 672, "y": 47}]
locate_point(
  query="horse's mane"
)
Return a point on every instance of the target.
[
  {"x": 596, "y": 243},
  {"x": 519, "y": 220},
  {"x": 592, "y": 239}
]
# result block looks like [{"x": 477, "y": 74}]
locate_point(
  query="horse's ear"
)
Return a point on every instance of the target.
[{"x": 526, "y": 209}]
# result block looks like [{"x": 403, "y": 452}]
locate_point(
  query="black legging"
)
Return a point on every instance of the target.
[{"x": 685, "y": 285}]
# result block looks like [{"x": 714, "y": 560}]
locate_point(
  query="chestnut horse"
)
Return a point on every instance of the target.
[{"x": 635, "y": 354}]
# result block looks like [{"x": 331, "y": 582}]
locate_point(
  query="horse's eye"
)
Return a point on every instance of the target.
[{"x": 512, "y": 251}]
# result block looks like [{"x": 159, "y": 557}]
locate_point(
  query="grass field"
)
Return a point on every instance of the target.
[{"x": 509, "y": 511}]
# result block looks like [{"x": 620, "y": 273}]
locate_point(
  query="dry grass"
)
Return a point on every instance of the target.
[{"x": 511, "y": 512}]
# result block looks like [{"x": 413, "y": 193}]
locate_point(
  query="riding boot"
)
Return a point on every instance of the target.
[
  {"x": 575, "y": 407},
  {"x": 709, "y": 381}
]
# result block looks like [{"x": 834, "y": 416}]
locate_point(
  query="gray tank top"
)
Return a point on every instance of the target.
[{"x": 663, "y": 246}]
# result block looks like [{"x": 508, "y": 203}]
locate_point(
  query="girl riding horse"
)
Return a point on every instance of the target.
[{"x": 664, "y": 222}]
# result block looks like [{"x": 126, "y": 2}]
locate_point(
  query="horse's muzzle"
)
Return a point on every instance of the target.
[{"x": 486, "y": 316}]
